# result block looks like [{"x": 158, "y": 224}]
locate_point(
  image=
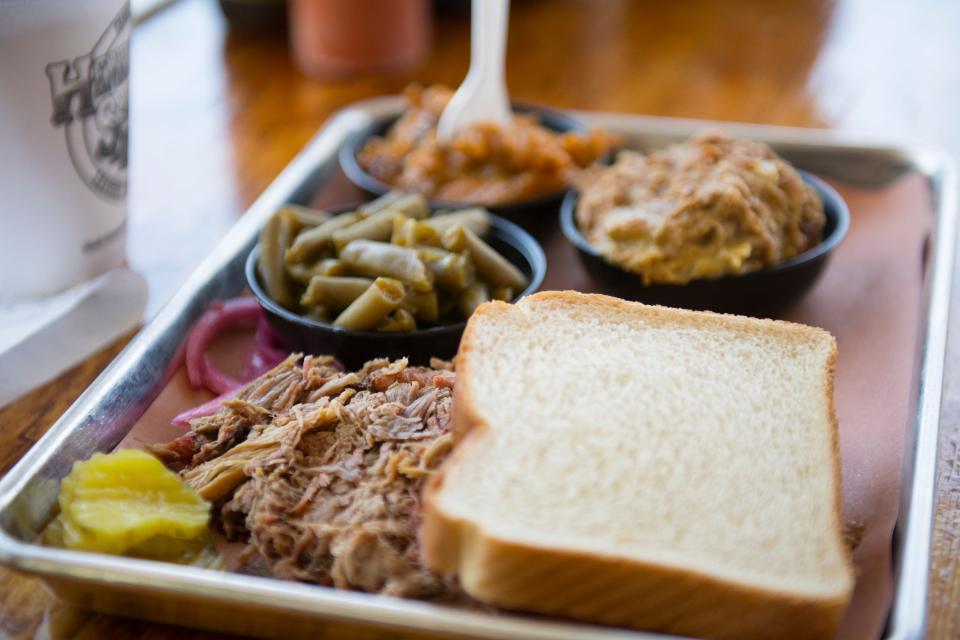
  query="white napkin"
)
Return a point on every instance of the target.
[{"x": 40, "y": 338}]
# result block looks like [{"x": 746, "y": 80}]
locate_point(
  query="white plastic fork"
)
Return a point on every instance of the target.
[{"x": 483, "y": 94}]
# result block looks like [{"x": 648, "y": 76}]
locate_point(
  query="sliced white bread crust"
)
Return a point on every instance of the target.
[{"x": 480, "y": 519}]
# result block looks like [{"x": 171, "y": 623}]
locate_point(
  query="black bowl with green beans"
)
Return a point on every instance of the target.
[{"x": 387, "y": 279}]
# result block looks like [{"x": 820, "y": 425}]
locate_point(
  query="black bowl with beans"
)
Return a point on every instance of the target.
[{"x": 353, "y": 348}]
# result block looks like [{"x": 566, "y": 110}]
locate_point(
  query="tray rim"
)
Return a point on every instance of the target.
[{"x": 912, "y": 542}]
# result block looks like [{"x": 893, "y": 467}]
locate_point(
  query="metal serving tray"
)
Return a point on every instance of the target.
[{"x": 103, "y": 415}]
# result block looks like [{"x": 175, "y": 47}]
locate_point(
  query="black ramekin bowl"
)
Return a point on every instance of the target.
[
  {"x": 764, "y": 293},
  {"x": 353, "y": 348},
  {"x": 529, "y": 213}
]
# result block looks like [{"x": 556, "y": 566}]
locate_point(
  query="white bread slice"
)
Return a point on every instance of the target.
[{"x": 644, "y": 467}]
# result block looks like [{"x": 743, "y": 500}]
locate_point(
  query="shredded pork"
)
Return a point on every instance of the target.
[{"x": 320, "y": 470}]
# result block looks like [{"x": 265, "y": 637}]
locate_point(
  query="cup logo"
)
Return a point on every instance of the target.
[{"x": 90, "y": 102}]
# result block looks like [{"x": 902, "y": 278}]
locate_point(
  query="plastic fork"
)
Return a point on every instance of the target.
[{"x": 483, "y": 94}]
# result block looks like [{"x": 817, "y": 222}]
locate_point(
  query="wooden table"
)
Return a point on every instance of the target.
[{"x": 216, "y": 115}]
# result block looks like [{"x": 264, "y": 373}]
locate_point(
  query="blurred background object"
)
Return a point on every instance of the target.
[
  {"x": 66, "y": 196},
  {"x": 337, "y": 38},
  {"x": 64, "y": 291},
  {"x": 256, "y": 16},
  {"x": 140, "y": 10}
]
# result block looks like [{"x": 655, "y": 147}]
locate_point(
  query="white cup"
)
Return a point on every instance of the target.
[{"x": 63, "y": 142}]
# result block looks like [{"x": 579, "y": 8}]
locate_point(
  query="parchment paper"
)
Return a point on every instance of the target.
[{"x": 869, "y": 298}]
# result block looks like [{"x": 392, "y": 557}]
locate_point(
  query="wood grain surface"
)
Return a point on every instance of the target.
[{"x": 216, "y": 114}]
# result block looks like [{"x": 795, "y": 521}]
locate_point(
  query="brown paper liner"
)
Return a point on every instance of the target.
[{"x": 869, "y": 298}]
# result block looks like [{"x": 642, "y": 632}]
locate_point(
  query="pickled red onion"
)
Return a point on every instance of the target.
[
  {"x": 267, "y": 353},
  {"x": 214, "y": 379},
  {"x": 268, "y": 343},
  {"x": 208, "y": 408},
  {"x": 229, "y": 314}
]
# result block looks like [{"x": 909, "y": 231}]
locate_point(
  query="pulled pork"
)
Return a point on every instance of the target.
[{"x": 320, "y": 470}]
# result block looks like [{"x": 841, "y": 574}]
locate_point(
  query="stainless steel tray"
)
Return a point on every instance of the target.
[{"x": 101, "y": 417}]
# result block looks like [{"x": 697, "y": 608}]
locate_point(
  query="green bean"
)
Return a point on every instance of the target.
[
  {"x": 422, "y": 304},
  {"x": 334, "y": 293},
  {"x": 275, "y": 237},
  {"x": 402, "y": 234},
  {"x": 408, "y": 232},
  {"x": 385, "y": 201},
  {"x": 477, "y": 219},
  {"x": 431, "y": 254},
  {"x": 506, "y": 294},
  {"x": 424, "y": 234},
  {"x": 450, "y": 270},
  {"x": 302, "y": 273},
  {"x": 312, "y": 242},
  {"x": 305, "y": 216},
  {"x": 412, "y": 205},
  {"x": 398, "y": 321},
  {"x": 379, "y": 204},
  {"x": 472, "y": 297},
  {"x": 491, "y": 266},
  {"x": 373, "y": 305},
  {"x": 379, "y": 226},
  {"x": 381, "y": 259}
]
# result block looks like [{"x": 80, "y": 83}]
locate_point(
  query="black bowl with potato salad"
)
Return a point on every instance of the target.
[
  {"x": 713, "y": 223},
  {"x": 389, "y": 278}
]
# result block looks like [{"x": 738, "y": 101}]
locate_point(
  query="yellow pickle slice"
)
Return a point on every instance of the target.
[{"x": 128, "y": 503}]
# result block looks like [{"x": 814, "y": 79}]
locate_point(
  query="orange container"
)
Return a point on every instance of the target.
[{"x": 336, "y": 38}]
